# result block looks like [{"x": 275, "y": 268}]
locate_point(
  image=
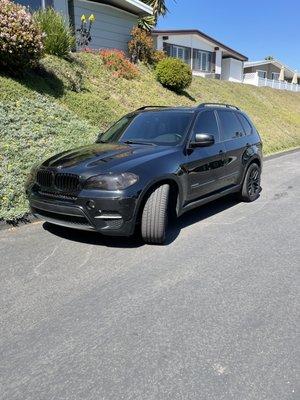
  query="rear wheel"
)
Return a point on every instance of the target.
[
  {"x": 251, "y": 185},
  {"x": 155, "y": 215}
]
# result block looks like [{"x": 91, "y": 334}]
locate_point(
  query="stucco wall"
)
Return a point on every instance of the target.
[
  {"x": 269, "y": 68},
  {"x": 232, "y": 70},
  {"x": 185, "y": 40},
  {"x": 191, "y": 41}
]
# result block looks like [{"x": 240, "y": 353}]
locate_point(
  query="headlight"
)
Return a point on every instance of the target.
[{"x": 111, "y": 181}]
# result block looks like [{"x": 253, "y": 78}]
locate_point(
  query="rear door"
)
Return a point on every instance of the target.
[
  {"x": 235, "y": 141},
  {"x": 205, "y": 165}
]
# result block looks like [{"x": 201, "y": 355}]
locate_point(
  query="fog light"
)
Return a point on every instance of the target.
[{"x": 90, "y": 204}]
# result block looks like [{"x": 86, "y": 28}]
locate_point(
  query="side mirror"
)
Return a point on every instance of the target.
[{"x": 202, "y": 140}]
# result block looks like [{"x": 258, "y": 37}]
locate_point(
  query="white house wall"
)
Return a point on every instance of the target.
[
  {"x": 112, "y": 26},
  {"x": 232, "y": 70},
  {"x": 194, "y": 42},
  {"x": 185, "y": 40},
  {"x": 218, "y": 65}
]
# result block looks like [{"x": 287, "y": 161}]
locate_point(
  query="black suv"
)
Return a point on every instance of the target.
[{"x": 151, "y": 162}]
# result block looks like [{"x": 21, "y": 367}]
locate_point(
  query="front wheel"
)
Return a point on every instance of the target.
[
  {"x": 155, "y": 215},
  {"x": 251, "y": 185}
]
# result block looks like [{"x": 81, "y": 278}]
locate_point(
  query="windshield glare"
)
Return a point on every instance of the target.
[{"x": 162, "y": 128}]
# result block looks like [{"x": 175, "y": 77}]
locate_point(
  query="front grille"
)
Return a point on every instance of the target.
[
  {"x": 45, "y": 178},
  {"x": 64, "y": 182}
]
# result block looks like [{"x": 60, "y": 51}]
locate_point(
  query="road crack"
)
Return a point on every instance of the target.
[{"x": 37, "y": 267}]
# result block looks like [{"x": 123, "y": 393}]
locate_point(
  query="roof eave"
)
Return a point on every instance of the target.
[{"x": 136, "y": 7}]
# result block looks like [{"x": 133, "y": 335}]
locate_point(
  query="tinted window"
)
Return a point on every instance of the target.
[
  {"x": 230, "y": 125},
  {"x": 246, "y": 124},
  {"x": 158, "y": 127},
  {"x": 206, "y": 123}
]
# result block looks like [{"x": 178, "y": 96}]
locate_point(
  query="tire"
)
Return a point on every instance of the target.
[
  {"x": 155, "y": 216},
  {"x": 251, "y": 186}
]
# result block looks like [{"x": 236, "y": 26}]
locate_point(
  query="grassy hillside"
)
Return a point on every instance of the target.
[{"x": 66, "y": 103}]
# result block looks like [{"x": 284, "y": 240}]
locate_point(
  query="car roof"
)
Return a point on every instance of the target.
[
  {"x": 200, "y": 107},
  {"x": 166, "y": 108}
]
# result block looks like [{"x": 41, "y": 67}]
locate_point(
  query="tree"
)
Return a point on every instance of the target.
[
  {"x": 159, "y": 8},
  {"x": 269, "y": 58}
]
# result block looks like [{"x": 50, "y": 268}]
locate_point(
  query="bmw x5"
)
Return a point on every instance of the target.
[{"x": 152, "y": 162}]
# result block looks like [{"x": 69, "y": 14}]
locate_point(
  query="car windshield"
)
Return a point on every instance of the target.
[{"x": 151, "y": 127}]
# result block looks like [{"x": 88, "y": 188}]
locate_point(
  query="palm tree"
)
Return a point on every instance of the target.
[{"x": 159, "y": 8}]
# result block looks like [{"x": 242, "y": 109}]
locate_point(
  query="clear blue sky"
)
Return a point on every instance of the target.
[{"x": 254, "y": 28}]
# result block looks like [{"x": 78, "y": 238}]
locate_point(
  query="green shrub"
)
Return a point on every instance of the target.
[
  {"x": 59, "y": 39},
  {"x": 21, "y": 40},
  {"x": 116, "y": 61},
  {"x": 141, "y": 46},
  {"x": 32, "y": 129},
  {"x": 174, "y": 74},
  {"x": 157, "y": 56}
]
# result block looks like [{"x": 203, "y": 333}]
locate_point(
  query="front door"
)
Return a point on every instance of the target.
[{"x": 205, "y": 165}]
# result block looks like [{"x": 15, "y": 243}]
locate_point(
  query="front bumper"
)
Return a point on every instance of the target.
[{"x": 109, "y": 214}]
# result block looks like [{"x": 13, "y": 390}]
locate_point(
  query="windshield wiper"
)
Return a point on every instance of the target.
[{"x": 137, "y": 142}]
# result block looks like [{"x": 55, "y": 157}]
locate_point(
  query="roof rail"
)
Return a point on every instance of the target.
[
  {"x": 218, "y": 104},
  {"x": 145, "y": 107}
]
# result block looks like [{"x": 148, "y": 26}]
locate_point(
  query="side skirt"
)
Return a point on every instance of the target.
[{"x": 207, "y": 199}]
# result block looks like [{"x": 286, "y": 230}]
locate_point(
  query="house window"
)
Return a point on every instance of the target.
[
  {"x": 202, "y": 60},
  {"x": 275, "y": 76},
  {"x": 261, "y": 73},
  {"x": 181, "y": 52}
]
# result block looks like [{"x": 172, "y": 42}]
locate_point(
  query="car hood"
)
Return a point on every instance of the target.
[{"x": 99, "y": 157}]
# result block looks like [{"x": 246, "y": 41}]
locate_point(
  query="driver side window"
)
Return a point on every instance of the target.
[{"x": 206, "y": 123}]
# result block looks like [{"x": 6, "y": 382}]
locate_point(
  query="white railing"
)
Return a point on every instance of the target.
[{"x": 253, "y": 79}]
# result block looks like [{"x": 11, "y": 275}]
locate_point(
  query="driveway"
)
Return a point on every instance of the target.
[{"x": 212, "y": 315}]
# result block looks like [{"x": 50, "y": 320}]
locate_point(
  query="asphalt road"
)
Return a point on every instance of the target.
[{"x": 212, "y": 315}]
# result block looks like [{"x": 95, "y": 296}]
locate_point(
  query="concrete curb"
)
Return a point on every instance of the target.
[
  {"x": 29, "y": 218},
  {"x": 282, "y": 153}
]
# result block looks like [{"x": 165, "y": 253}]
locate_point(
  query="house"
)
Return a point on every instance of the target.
[
  {"x": 272, "y": 73},
  {"x": 206, "y": 56},
  {"x": 114, "y": 18},
  {"x": 270, "y": 69}
]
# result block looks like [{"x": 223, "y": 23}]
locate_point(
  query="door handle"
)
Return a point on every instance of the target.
[{"x": 221, "y": 152}]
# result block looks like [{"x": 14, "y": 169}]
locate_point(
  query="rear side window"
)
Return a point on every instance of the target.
[
  {"x": 231, "y": 127},
  {"x": 246, "y": 124},
  {"x": 206, "y": 123}
]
